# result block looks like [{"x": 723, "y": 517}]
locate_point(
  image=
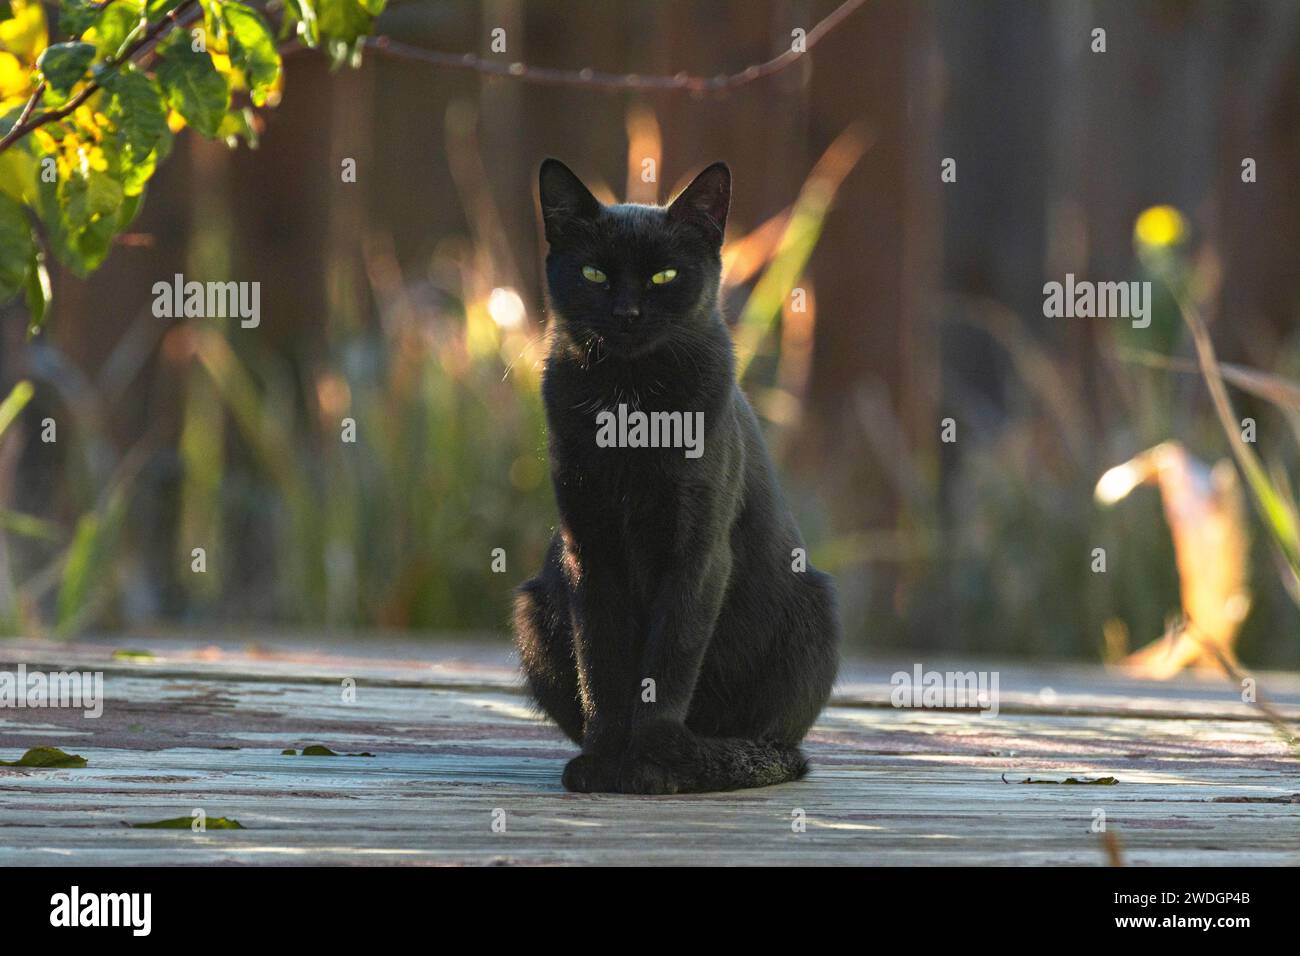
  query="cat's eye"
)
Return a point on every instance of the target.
[
  {"x": 664, "y": 277},
  {"x": 592, "y": 274}
]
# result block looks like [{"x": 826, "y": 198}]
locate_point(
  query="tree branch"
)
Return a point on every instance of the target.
[
  {"x": 26, "y": 123},
  {"x": 680, "y": 82},
  {"x": 677, "y": 83}
]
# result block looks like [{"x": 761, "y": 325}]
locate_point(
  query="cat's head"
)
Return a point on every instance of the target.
[{"x": 627, "y": 277}]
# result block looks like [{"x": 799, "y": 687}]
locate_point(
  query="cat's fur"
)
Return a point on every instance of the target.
[{"x": 664, "y": 567}]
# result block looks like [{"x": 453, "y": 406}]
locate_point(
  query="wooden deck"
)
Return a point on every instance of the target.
[{"x": 1201, "y": 779}]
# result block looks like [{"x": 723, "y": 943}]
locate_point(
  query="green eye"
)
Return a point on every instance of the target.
[
  {"x": 592, "y": 274},
  {"x": 662, "y": 278}
]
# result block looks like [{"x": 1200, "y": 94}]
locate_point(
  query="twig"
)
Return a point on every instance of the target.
[
  {"x": 676, "y": 83},
  {"x": 151, "y": 36},
  {"x": 27, "y": 110}
]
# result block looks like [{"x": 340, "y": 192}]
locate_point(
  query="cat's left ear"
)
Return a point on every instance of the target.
[{"x": 705, "y": 201}]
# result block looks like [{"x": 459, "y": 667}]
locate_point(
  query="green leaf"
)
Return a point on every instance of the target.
[
  {"x": 18, "y": 164},
  {"x": 82, "y": 213},
  {"x": 187, "y": 823},
  {"x": 17, "y": 248},
  {"x": 252, "y": 48},
  {"x": 156, "y": 8},
  {"x": 136, "y": 108},
  {"x": 103, "y": 194},
  {"x": 237, "y": 124},
  {"x": 117, "y": 22},
  {"x": 64, "y": 64},
  {"x": 139, "y": 117},
  {"x": 300, "y": 20},
  {"x": 130, "y": 209},
  {"x": 77, "y": 16},
  {"x": 194, "y": 87},
  {"x": 346, "y": 20},
  {"x": 49, "y": 758}
]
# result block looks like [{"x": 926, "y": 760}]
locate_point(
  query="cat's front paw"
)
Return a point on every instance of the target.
[
  {"x": 639, "y": 775},
  {"x": 659, "y": 760},
  {"x": 587, "y": 773}
]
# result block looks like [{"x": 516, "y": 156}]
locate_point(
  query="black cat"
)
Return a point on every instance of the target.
[{"x": 673, "y": 632}]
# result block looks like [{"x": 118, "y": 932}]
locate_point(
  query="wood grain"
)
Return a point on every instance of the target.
[{"x": 1202, "y": 780}]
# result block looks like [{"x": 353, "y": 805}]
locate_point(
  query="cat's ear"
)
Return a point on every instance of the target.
[
  {"x": 706, "y": 201},
  {"x": 564, "y": 198}
]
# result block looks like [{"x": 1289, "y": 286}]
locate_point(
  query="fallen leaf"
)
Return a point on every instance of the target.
[
  {"x": 50, "y": 758},
  {"x": 187, "y": 823}
]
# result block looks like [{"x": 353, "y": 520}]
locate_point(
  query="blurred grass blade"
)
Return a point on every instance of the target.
[
  {"x": 1275, "y": 389},
  {"x": 14, "y": 403},
  {"x": 87, "y": 571},
  {"x": 28, "y": 526},
  {"x": 1279, "y": 516},
  {"x": 797, "y": 243},
  {"x": 270, "y": 443}
]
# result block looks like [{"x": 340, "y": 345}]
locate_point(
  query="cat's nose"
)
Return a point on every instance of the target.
[{"x": 627, "y": 311}]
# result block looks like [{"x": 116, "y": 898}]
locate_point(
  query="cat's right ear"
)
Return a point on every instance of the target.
[{"x": 564, "y": 198}]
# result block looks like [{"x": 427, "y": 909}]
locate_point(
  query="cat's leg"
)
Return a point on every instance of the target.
[
  {"x": 790, "y": 656},
  {"x": 544, "y": 635},
  {"x": 543, "y": 630},
  {"x": 662, "y": 754},
  {"x": 747, "y": 716},
  {"x": 605, "y": 645}
]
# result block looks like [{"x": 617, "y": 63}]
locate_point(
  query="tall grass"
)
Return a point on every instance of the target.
[
  {"x": 439, "y": 384},
  {"x": 396, "y": 477}
]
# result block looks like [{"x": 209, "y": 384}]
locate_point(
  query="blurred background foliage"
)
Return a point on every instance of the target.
[{"x": 411, "y": 302}]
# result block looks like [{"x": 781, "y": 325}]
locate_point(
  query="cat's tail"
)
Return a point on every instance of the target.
[
  {"x": 669, "y": 758},
  {"x": 732, "y": 763}
]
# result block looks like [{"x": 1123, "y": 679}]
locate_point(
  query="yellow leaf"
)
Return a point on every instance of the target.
[
  {"x": 25, "y": 36},
  {"x": 15, "y": 80},
  {"x": 1207, "y": 519}
]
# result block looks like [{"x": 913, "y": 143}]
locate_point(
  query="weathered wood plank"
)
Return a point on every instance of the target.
[{"x": 1201, "y": 779}]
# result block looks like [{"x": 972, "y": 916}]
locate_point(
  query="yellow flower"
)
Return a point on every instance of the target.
[{"x": 1160, "y": 226}]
